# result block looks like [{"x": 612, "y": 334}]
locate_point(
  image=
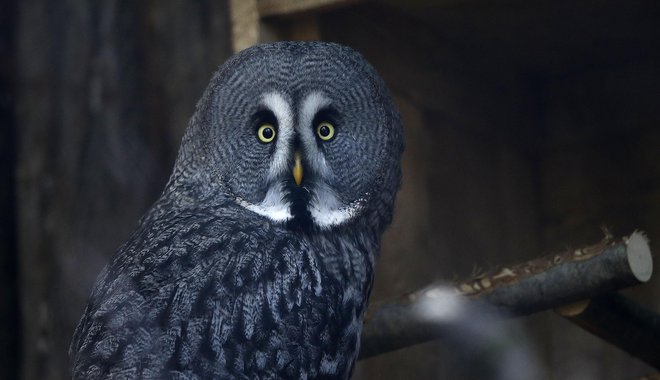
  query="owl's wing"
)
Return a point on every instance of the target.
[
  {"x": 193, "y": 293},
  {"x": 136, "y": 313}
]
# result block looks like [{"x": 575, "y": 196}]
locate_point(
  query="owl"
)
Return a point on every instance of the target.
[{"x": 257, "y": 260}]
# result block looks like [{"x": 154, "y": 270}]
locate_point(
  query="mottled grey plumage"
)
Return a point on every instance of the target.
[{"x": 237, "y": 272}]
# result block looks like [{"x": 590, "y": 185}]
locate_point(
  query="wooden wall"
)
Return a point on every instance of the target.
[
  {"x": 528, "y": 129},
  {"x": 104, "y": 91}
]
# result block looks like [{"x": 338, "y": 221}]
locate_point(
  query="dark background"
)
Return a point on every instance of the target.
[{"x": 529, "y": 125}]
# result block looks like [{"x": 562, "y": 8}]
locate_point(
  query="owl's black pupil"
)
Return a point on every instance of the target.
[
  {"x": 324, "y": 131},
  {"x": 267, "y": 133}
]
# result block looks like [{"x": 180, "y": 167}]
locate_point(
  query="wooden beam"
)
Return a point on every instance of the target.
[{"x": 270, "y": 8}]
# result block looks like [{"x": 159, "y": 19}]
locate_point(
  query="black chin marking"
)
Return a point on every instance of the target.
[{"x": 299, "y": 197}]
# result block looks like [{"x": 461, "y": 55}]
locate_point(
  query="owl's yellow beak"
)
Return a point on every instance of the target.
[{"x": 297, "y": 169}]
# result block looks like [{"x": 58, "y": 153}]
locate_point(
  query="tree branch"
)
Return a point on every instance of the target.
[{"x": 523, "y": 289}]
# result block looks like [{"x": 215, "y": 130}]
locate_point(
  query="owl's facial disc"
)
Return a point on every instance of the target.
[{"x": 299, "y": 179}]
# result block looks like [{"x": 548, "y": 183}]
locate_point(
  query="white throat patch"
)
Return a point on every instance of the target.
[
  {"x": 328, "y": 211},
  {"x": 273, "y": 207}
]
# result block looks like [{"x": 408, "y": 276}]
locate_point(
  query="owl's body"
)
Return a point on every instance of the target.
[{"x": 241, "y": 269}]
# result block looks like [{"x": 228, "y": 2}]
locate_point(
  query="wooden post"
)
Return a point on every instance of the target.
[{"x": 244, "y": 24}]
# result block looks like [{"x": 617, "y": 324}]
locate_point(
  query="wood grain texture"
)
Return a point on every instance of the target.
[{"x": 101, "y": 100}]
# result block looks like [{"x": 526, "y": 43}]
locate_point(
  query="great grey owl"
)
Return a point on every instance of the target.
[{"x": 258, "y": 258}]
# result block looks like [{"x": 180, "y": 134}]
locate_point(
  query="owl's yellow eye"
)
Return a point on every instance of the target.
[
  {"x": 266, "y": 133},
  {"x": 325, "y": 131}
]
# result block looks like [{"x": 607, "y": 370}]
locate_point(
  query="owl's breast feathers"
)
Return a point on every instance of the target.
[{"x": 218, "y": 295}]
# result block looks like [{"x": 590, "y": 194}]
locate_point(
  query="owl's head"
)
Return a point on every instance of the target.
[{"x": 302, "y": 133}]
